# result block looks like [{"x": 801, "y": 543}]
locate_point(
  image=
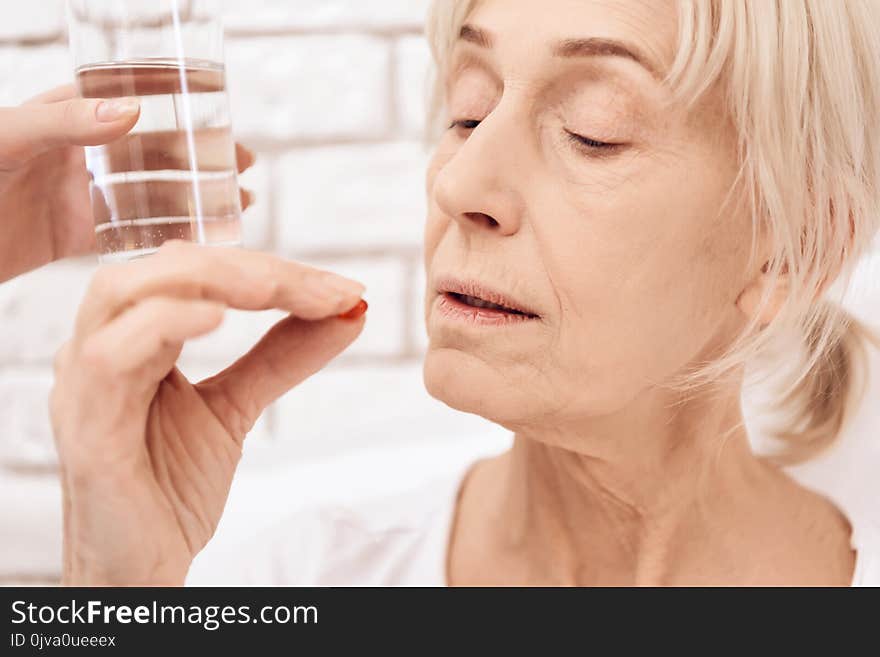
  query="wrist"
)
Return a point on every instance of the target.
[
  {"x": 110, "y": 543},
  {"x": 82, "y": 572}
]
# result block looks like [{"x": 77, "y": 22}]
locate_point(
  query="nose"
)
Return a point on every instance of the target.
[{"x": 478, "y": 186}]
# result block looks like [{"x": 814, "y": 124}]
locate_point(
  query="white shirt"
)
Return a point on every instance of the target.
[
  {"x": 402, "y": 541},
  {"x": 394, "y": 542}
]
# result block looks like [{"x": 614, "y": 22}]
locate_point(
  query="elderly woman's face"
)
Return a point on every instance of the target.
[{"x": 568, "y": 187}]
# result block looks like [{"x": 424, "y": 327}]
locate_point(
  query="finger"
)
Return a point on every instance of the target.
[
  {"x": 244, "y": 157},
  {"x": 292, "y": 351},
  {"x": 64, "y": 92},
  {"x": 149, "y": 333},
  {"x": 29, "y": 131},
  {"x": 247, "y": 280}
]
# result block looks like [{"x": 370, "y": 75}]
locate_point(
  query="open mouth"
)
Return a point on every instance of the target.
[
  {"x": 476, "y": 302},
  {"x": 473, "y": 301}
]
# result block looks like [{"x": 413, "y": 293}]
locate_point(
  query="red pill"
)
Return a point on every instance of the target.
[{"x": 357, "y": 312}]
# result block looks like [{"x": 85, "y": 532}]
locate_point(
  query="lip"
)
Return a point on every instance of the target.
[{"x": 451, "y": 307}]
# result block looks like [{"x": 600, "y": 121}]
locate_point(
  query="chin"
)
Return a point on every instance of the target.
[
  {"x": 470, "y": 385},
  {"x": 517, "y": 399}
]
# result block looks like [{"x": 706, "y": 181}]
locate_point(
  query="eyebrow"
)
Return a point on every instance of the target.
[{"x": 571, "y": 48}]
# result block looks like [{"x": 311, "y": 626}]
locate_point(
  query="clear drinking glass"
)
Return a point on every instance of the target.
[{"x": 174, "y": 176}]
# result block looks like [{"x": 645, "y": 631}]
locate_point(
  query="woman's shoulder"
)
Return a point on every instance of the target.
[
  {"x": 847, "y": 475},
  {"x": 397, "y": 539}
]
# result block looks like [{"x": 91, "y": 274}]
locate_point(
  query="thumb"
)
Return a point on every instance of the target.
[
  {"x": 31, "y": 130},
  {"x": 292, "y": 351}
]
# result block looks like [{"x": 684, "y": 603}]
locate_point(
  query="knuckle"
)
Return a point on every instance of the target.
[
  {"x": 197, "y": 274},
  {"x": 96, "y": 358},
  {"x": 104, "y": 281},
  {"x": 271, "y": 288},
  {"x": 162, "y": 309}
]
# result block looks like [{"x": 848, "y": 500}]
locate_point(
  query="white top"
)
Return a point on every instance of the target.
[
  {"x": 403, "y": 542},
  {"x": 389, "y": 542}
]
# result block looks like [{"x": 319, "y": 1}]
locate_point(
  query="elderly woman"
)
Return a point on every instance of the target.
[{"x": 632, "y": 206}]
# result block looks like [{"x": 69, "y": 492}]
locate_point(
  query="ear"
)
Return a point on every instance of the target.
[{"x": 749, "y": 300}]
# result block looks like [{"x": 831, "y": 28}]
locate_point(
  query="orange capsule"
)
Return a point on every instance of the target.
[{"x": 357, "y": 312}]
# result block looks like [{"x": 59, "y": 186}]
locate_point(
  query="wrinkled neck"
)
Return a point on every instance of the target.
[{"x": 626, "y": 489}]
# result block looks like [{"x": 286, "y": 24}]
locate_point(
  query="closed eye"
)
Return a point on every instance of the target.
[
  {"x": 465, "y": 124},
  {"x": 586, "y": 142},
  {"x": 591, "y": 146}
]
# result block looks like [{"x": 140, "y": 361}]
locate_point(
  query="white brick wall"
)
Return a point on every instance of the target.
[
  {"x": 31, "y": 22},
  {"x": 413, "y": 59},
  {"x": 26, "y": 71},
  {"x": 310, "y": 88},
  {"x": 330, "y": 93},
  {"x": 37, "y": 311},
  {"x": 352, "y": 196},
  {"x": 376, "y": 16},
  {"x": 26, "y": 443}
]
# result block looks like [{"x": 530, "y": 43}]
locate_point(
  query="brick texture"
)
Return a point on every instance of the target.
[
  {"x": 305, "y": 88},
  {"x": 413, "y": 83},
  {"x": 283, "y": 15},
  {"x": 329, "y": 93},
  {"x": 352, "y": 196},
  {"x": 28, "y": 71},
  {"x": 31, "y": 22}
]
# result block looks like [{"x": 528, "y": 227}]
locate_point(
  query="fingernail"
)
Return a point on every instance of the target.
[
  {"x": 357, "y": 312},
  {"x": 340, "y": 285},
  {"x": 116, "y": 109}
]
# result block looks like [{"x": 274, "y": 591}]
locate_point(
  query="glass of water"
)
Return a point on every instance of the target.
[{"x": 174, "y": 176}]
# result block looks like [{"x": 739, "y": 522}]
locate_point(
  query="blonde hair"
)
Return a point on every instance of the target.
[{"x": 801, "y": 83}]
